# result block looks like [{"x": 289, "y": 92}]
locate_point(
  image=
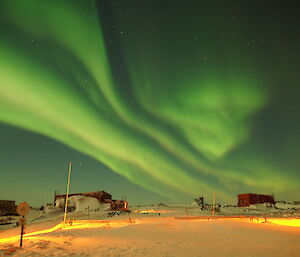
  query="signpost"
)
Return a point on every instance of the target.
[{"x": 22, "y": 210}]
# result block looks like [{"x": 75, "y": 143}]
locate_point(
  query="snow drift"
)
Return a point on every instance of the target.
[{"x": 83, "y": 203}]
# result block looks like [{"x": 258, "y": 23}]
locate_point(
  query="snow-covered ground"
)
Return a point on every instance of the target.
[{"x": 155, "y": 231}]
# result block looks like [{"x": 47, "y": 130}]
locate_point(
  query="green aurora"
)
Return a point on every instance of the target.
[{"x": 180, "y": 99}]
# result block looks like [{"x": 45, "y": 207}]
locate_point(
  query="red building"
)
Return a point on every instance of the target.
[
  {"x": 7, "y": 207},
  {"x": 102, "y": 196},
  {"x": 247, "y": 199}
]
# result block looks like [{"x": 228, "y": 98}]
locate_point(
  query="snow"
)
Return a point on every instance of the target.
[
  {"x": 153, "y": 231},
  {"x": 84, "y": 203},
  {"x": 261, "y": 206},
  {"x": 60, "y": 203},
  {"x": 286, "y": 206}
]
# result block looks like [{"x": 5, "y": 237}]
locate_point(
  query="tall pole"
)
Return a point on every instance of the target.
[
  {"x": 68, "y": 189},
  {"x": 213, "y": 207}
]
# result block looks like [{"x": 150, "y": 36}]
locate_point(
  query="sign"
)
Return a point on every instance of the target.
[{"x": 23, "y": 208}]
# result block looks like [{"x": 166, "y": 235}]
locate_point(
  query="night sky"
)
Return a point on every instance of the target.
[{"x": 161, "y": 101}]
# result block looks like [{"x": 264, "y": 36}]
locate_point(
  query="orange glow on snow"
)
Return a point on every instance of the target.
[
  {"x": 291, "y": 222},
  {"x": 74, "y": 224},
  {"x": 90, "y": 224},
  {"x": 82, "y": 224},
  {"x": 45, "y": 231}
]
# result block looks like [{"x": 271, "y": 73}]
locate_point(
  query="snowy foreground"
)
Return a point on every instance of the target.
[{"x": 153, "y": 231}]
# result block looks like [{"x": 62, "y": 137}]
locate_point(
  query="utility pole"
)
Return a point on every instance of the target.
[
  {"x": 67, "y": 193},
  {"x": 213, "y": 207},
  {"x": 56, "y": 192}
]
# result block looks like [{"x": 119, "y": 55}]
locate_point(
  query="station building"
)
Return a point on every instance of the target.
[{"x": 250, "y": 198}]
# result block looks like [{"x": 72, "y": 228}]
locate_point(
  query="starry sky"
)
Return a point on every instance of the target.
[{"x": 159, "y": 101}]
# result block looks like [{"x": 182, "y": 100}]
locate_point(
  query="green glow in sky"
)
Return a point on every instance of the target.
[{"x": 173, "y": 106}]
